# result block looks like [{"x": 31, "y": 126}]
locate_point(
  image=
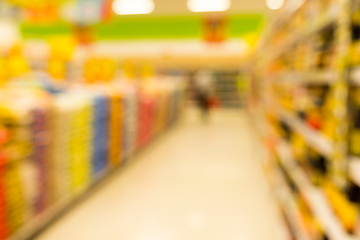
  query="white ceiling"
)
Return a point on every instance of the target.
[{"x": 237, "y": 6}]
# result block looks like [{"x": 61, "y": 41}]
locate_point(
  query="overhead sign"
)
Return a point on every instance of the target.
[{"x": 215, "y": 29}]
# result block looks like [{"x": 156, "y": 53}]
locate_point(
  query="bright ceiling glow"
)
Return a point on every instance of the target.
[
  {"x": 208, "y": 5},
  {"x": 129, "y": 7},
  {"x": 275, "y": 4}
]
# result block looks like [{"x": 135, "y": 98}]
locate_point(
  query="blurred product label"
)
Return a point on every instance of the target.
[
  {"x": 215, "y": 29},
  {"x": 99, "y": 70},
  {"x": 62, "y": 47},
  {"x": 129, "y": 70},
  {"x": 17, "y": 64},
  {"x": 84, "y": 34},
  {"x": 147, "y": 71}
]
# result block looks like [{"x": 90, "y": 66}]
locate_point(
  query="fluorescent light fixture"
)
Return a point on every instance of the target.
[
  {"x": 208, "y": 5},
  {"x": 129, "y": 7},
  {"x": 275, "y": 4}
]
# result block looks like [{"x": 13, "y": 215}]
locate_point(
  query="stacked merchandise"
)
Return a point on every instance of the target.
[
  {"x": 131, "y": 121},
  {"x": 40, "y": 156},
  {"x": 115, "y": 128},
  {"x": 101, "y": 131},
  {"x": 175, "y": 105},
  {"x": 60, "y": 146},
  {"x": 80, "y": 142},
  {"x": 58, "y": 137},
  {"x": 24, "y": 150},
  {"x": 146, "y": 109},
  {"x": 158, "y": 113},
  {"x": 308, "y": 103},
  {"x": 162, "y": 107},
  {"x": 56, "y": 146}
]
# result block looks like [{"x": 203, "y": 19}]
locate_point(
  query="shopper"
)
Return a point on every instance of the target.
[
  {"x": 203, "y": 90},
  {"x": 203, "y": 103}
]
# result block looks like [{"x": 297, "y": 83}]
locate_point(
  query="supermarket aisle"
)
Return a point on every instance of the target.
[{"x": 197, "y": 182}]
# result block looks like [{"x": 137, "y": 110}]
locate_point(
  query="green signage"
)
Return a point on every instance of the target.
[{"x": 147, "y": 27}]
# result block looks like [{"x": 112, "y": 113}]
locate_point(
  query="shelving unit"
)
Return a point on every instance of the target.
[
  {"x": 317, "y": 140},
  {"x": 315, "y": 198},
  {"x": 80, "y": 151},
  {"x": 288, "y": 202},
  {"x": 302, "y": 81},
  {"x": 224, "y": 87},
  {"x": 325, "y": 20},
  {"x": 281, "y": 191},
  {"x": 307, "y": 78},
  {"x": 226, "y": 90},
  {"x": 355, "y": 76},
  {"x": 354, "y": 170}
]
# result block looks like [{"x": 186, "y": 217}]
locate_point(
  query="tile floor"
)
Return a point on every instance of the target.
[{"x": 196, "y": 182}]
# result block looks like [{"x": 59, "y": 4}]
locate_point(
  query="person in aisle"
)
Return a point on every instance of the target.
[{"x": 203, "y": 82}]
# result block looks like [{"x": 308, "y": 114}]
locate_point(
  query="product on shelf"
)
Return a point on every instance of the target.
[
  {"x": 60, "y": 130},
  {"x": 314, "y": 230},
  {"x": 345, "y": 209},
  {"x": 354, "y": 53},
  {"x": 67, "y": 121},
  {"x": 115, "y": 129},
  {"x": 100, "y": 132},
  {"x": 316, "y": 167},
  {"x": 57, "y": 140},
  {"x": 354, "y": 134},
  {"x": 306, "y": 77}
]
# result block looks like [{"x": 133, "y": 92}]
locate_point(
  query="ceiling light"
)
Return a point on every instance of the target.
[
  {"x": 208, "y": 5},
  {"x": 275, "y": 4},
  {"x": 129, "y": 7}
]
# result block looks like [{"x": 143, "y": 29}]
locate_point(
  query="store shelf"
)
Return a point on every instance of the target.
[
  {"x": 315, "y": 139},
  {"x": 292, "y": 210},
  {"x": 354, "y": 170},
  {"x": 316, "y": 199},
  {"x": 307, "y": 78},
  {"x": 59, "y": 181},
  {"x": 287, "y": 12},
  {"x": 320, "y": 42},
  {"x": 280, "y": 190},
  {"x": 325, "y": 20},
  {"x": 42, "y": 219},
  {"x": 355, "y": 76},
  {"x": 226, "y": 90}
]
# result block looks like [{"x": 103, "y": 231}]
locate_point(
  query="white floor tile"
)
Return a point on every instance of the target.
[{"x": 197, "y": 182}]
